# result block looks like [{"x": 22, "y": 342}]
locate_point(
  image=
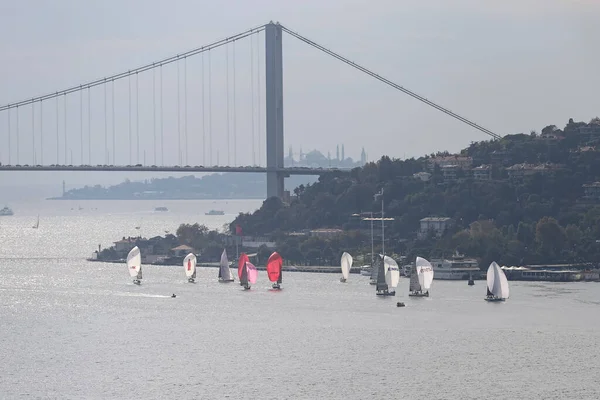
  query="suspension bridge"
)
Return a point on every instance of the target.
[{"x": 91, "y": 127}]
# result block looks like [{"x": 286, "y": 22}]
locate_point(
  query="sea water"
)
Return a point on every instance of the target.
[{"x": 75, "y": 329}]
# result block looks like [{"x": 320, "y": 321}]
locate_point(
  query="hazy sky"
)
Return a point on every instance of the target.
[{"x": 510, "y": 65}]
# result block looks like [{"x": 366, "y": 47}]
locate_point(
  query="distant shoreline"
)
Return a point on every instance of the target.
[{"x": 161, "y": 198}]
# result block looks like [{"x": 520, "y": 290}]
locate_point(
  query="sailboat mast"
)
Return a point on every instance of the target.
[
  {"x": 382, "y": 226},
  {"x": 372, "y": 242}
]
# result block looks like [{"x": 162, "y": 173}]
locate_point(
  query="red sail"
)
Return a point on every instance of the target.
[
  {"x": 274, "y": 267},
  {"x": 241, "y": 262}
]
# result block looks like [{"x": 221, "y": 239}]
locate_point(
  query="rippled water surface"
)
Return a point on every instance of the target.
[{"x": 74, "y": 329}]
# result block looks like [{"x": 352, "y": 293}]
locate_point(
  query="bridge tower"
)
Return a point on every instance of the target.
[{"x": 274, "y": 109}]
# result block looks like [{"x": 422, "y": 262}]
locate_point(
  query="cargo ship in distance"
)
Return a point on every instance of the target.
[
  {"x": 5, "y": 212},
  {"x": 215, "y": 212}
]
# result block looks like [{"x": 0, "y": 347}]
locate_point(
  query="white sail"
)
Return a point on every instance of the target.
[
  {"x": 189, "y": 265},
  {"x": 496, "y": 281},
  {"x": 224, "y": 271},
  {"x": 392, "y": 272},
  {"x": 346, "y": 265},
  {"x": 424, "y": 272},
  {"x": 134, "y": 262}
]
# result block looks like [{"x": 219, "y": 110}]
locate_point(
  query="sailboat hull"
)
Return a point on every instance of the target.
[
  {"x": 493, "y": 299},
  {"x": 418, "y": 294},
  {"x": 191, "y": 280},
  {"x": 137, "y": 282},
  {"x": 343, "y": 280},
  {"x": 221, "y": 280},
  {"x": 276, "y": 286},
  {"x": 386, "y": 293}
]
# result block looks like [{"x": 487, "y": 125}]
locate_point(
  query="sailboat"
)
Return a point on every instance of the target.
[
  {"x": 421, "y": 277},
  {"x": 241, "y": 266},
  {"x": 225, "y": 274},
  {"x": 246, "y": 272},
  {"x": 346, "y": 265},
  {"x": 274, "y": 265},
  {"x": 388, "y": 276},
  {"x": 37, "y": 223},
  {"x": 189, "y": 264},
  {"x": 134, "y": 264},
  {"x": 244, "y": 277},
  {"x": 497, "y": 284}
]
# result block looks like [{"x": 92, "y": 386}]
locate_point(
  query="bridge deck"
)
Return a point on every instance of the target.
[{"x": 154, "y": 168}]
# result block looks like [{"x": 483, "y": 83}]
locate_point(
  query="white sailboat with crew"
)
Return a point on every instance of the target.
[
  {"x": 346, "y": 264},
  {"x": 225, "y": 274},
  {"x": 421, "y": 277},
  {"x": 189, "y": 264},
  {"x": 388, "y": 277},
  {"x": 134, "y": 265},
  {"x": 497, "y": 284}
]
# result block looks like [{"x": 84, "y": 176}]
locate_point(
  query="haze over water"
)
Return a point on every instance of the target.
[{"x": 74, "y": 329}]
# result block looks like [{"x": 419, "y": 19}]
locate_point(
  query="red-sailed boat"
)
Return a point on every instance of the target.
[{"x": 274, "y": 269}]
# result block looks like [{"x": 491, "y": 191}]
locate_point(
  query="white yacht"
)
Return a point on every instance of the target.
[{"x": 458, "y": 267}]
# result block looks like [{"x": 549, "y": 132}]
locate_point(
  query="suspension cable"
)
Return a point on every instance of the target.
[
  {"x": 390, "y": 83},
  {"x": 65, "y": 125},
  {"x": 106, "y": 155},
  {"x": 41, "y": 132},
  {"x": 17, "y": 128},
  {"x": 258, "y": 72},
  {"x": 227, "y": 102},
  {"x": 203, "y": 115},
  {"x": 130, "y": 147},
  {"x": 57, "y": 129},
  {"x": 210, "y": 109},
  {"x": 137, "y": 117},
  {"x": 162, "y": 137},
  {"x": 154, "y": 113},
  {"x": 185, "y": 110},
  {"x": 234, "y": 113},
  {"x": 81, "y": 125},
  {"x": 9, "y": 140},
  {"x": 143, "y": 68},
  {"x": 114, "y": 147},
  {"x": 33, "y": 131},
  {"x": 178, "y": 118},
  {"x": 90, "y": 126},
  {"x": 252, "y": 99}
]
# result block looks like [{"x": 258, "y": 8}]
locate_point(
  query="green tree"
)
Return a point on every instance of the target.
[{"x": 550, "y": 237}]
